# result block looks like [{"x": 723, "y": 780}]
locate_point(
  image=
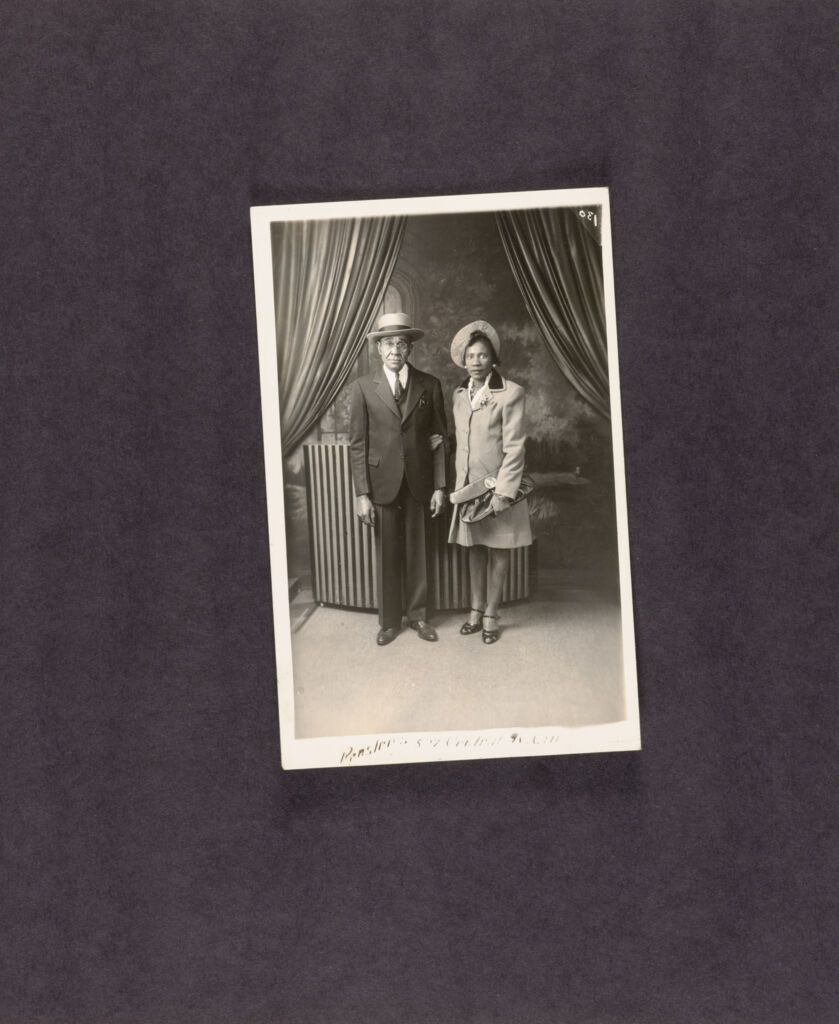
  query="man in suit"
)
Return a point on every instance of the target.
[{"x": 397, "y": 425}]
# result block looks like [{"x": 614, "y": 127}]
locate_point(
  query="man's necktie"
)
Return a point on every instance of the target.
[{"x": 398, "y": 391}]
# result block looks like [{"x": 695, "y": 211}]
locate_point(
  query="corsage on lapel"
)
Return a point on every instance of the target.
[{"x": 481, "y": 399}]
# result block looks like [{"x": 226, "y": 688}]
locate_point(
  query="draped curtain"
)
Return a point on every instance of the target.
[
  {"x": 329, "y": 280},
  {"x": 558, "y": 267}
]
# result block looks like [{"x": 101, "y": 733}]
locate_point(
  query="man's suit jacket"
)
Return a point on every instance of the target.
[{"x": 389, "y": 442}]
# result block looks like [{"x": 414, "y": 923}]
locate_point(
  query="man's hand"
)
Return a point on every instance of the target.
[
  {"x": 438, "y": 503},
  {"x": 499, "y": 503},
  {"x": 364, "y": 509},
  {"x": 435, "y": 441}
]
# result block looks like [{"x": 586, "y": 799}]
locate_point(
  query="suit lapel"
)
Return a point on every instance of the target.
[
  {"x": 414, "y": 392},
  {"x": 384, "y": 392}
]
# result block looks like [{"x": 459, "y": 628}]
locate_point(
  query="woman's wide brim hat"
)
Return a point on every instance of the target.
[
  {"x": 466, "y": 335},
  {"x": 392, "y": 324}
]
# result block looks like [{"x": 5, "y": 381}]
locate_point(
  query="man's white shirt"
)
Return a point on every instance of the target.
[{"x": 391, "y": 377}]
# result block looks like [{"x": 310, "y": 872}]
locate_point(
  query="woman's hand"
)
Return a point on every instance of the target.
[{"x": 499, "y": 504}]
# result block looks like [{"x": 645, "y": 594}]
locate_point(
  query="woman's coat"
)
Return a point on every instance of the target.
[{"x": 489, "y": 442}]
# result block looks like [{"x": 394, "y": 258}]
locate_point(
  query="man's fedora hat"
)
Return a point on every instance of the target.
[
  {"x": 391, "y": 324},
  {"x": 466, "y": 335}
]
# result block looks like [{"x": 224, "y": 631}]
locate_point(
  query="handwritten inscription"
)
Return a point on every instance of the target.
[
  {"x": 351, "y": 754},
  {"x": 445, "y": 741}
]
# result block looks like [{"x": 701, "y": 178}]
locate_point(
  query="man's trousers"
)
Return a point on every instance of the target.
[{"x": 403, "y": 552}]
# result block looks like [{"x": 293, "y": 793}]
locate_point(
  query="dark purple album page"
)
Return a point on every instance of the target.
[{"x": 158, "y": 863}]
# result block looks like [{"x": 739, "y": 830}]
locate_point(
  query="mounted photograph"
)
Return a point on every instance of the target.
[{"x": 444, "y": 478}]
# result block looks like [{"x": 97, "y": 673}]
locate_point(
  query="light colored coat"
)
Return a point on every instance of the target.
[
  {"x": 490, "y": 439},
  {"x": 490, "y": 442}
]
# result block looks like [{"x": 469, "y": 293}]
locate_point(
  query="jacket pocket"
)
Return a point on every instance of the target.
[{"x": 373, "y": 460}]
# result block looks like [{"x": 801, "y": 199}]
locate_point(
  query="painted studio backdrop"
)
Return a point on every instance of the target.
[{"x": 536, "y": 275}]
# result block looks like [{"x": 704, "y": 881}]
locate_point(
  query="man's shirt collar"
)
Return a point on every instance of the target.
[{"x": 391, "y": 376}]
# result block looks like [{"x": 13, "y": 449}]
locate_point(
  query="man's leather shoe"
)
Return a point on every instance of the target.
[
  {"x": 386, "y": 636},
  {"x": 423, "y": 629}
]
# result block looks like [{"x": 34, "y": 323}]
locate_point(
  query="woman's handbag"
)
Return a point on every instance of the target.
[{"x": 475, "y": 500}]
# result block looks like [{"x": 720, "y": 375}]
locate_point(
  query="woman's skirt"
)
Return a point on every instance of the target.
[{"x": 509, "y": 529}]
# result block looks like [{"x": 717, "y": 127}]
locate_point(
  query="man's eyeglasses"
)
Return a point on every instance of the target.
[{"x": 395, "y": 343}]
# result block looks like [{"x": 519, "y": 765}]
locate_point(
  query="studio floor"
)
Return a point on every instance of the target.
[{"x": 558, "y": 663}]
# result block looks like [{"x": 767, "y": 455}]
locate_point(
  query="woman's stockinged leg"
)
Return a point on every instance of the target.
[
  {"x": 499, "y": 566},
  {"x": 477, "y": 581}
]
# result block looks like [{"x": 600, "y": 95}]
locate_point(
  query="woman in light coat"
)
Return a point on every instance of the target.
[{"x": 489, "y": 426}]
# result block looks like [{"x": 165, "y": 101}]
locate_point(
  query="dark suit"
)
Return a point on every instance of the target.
[{"x": 392, "y": 462}]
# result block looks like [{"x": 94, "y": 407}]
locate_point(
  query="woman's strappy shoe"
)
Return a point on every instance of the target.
[
  {"x": 490, "y": 635},
  {"x": 468, "y": 628}
]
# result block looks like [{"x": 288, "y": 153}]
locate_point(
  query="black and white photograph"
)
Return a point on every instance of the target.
[{"x": 444, "y": 474}]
